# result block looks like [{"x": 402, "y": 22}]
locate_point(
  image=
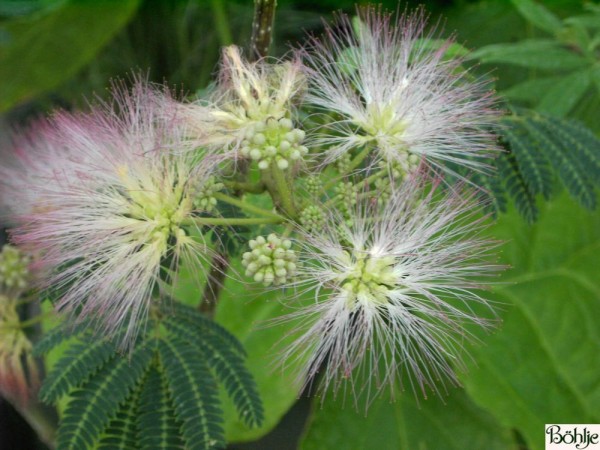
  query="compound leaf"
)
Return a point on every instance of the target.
[
  {"x": 195, "y": 394},
  {"x": 93, "y": 405}
]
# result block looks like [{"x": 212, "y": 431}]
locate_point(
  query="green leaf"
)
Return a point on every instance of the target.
[
  {"x": 580, "y": 142},
  {"x": 542, "y": 365},
  {"x": 204, "y": 326},
  {"x": 45, "y": 50},
  {"x": 532, "y": 162},
  {"x": 245, "y": 311},
  {"x": 596, "y": 78},
  {"x": 531, "y": 91},
  {"x": 517, "y": 186},
  {"x": 453, "y": 49},
  {"x": 80, "y": 362},
  {"x": 564, "y": 94},
  {"x": 122, "y": 431},
  {"x": 91, "y": 407},
  {"x": 452, "y": 422},
  {"x": 228, "y": 365},
  {"x": 195, "y": 394},
  {"x": 532, "y": 53},
  {"x": 159, "y": 428},
  {"x": 56, "y": 336},
  {"x": 541, "y": 146},
  {"x": 538, "y": 15},
  {"x": 569, "y": 167}
]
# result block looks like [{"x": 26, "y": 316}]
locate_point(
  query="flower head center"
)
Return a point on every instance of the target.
[
  {"x": 161, "y": 204},
  {"x": 369, "y": 280},
  {"x": 382, "y": 122}
]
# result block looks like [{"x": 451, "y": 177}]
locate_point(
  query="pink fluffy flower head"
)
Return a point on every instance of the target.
[
  {"x": 388, "y": 89},
  {"x": 111, "y": 195},
  {"x": 394, "y": 290}
]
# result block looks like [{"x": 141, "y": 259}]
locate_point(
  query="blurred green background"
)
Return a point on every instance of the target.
[{"x": 541, "y": 366}]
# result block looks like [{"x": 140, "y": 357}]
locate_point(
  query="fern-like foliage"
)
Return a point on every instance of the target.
[
  {"x": 122, "y": 431},
  {"x": 161, "y": 395},
  {"x": 158, "y": 428},
  {"x": 540, "y": 152}
]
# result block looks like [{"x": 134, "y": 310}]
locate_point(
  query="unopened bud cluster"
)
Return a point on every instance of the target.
[
  {"x": 270, "y": 261},
  {"x": 313, "y": 185},
  {"x": 205, "y": 200},
  {"x": 312, "y": 218},
  {"x": 344, "y": 163},
  {"x": 14, "y": 270},
  {"x": 274, "y": 141},
  {"x": 346, "y": 198},
  {"x": 405, "y": 164}
]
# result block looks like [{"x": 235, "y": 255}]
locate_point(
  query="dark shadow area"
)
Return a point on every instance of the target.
[
  {"x": 286, "y": 434},
  {"x": 15, "y": 433}
]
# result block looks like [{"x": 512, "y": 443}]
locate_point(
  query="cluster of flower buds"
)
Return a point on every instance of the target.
[
  {"x": 405, "y": 164},
  {"x": 313, "y": 185},
  {"x": 14, "y": 271},
  {"x": 346, "y": 195},
  {"x": 205, "y": 200},
  {"x": 312, "y": 218},
  {"x": 274, "y": 141},
  {"x": 270, "y": 261}
]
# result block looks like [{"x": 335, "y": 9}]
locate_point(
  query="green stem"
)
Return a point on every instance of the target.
[
  {"x": 225, "y": 221},
  {"x": 251, "y": 188},
  {"x": 221, "y": 23},
  {"x": 262, "y": 27},
  {"x": 284, "y": 193},
  {"x": 246, "y": 206},
  {"x": 214, "y": 282}
]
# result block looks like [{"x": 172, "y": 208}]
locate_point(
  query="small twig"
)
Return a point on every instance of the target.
[
  {"x": 262, "y": 27},
  {"x": 214, "y": 282}
]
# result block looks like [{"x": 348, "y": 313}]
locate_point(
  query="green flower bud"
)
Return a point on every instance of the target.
[
  {"x": 14, "y": 270},
  {"x": 312, "y": 218},
  {"x": 270, "y": 261},
  {"x": 274, "y": 141},
  {"x": 345, "y": 198},
  {"x": 313, "y": 185},
  {"x": 204, "y": 200}
]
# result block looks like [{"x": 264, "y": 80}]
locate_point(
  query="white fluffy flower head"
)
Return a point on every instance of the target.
[
  {"x": 393, "y": 292},
  {"x": 250, "y": 97},
  {"x": 390, "y": 90},
  {"x": 112, "y": 226}
]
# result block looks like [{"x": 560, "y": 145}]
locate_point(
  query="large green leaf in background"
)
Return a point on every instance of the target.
[
  {"x": 543, "y": 365},
  {"x": 452, "y": 423},
  {"x": 40, "y": 52}
]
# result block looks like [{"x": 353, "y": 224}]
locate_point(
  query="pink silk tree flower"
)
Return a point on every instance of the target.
[
  {"x": 394, "y": 292},
  {"x": 383, "y": 86},
  {"x": 111, "y": 200}
]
